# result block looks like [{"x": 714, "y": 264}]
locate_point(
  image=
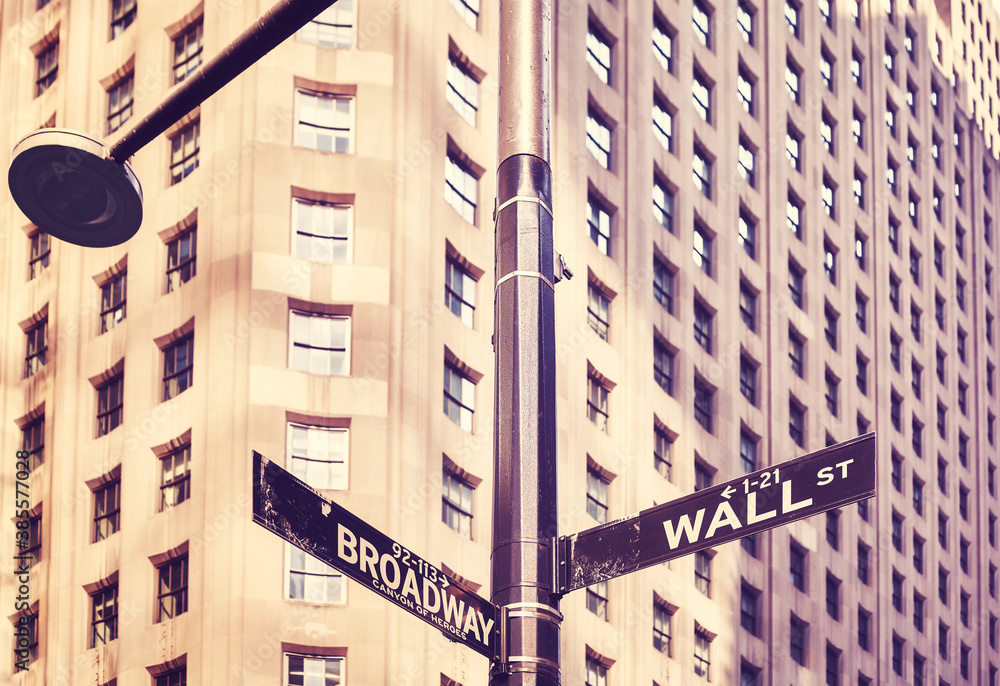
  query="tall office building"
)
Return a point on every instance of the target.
[{"x": 780, "y": 220}]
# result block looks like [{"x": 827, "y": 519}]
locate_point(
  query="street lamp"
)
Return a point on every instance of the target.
[{"x": 76, "y": 189}]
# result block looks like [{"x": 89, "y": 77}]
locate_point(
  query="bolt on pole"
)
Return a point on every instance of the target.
[{"x": 525, "y": 515}]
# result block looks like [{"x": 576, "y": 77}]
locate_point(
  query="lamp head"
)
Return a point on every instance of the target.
[{"x": 66, "y": 184}]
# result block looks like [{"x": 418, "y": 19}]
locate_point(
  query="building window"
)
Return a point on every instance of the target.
[
  {"x": 701, "y": 95},
  {"x": 748, "y": 452},
  {"x": 663, "y": 44},
  {"x": 107, "y": 510},
  {"x": 597, "y": 599},
  {"x": 897, "y": 654},
  {"x": 460, "y": 292},
  {"x": 748, "y": 307},
  {"x": 663, "y": 285},
  {"x": 833, "y": 529},
  {"x": 861, "y": 315},
  {"x": 793, "y": 147},
  {"x": 325, "y": 122},
  {"x": 46, "y": 67},
  {"x": 320, "y": 344},
  {"x": 748, "y": 382},
  {"x": 463, "y": 89},
  {"x": 830, "y": 328},
  {"x": 175, "y": 477},
  {"x": 663, "y": 367},
  {"x": 459, "y": 397},
  {"x": 796, "y": 279},
  {"x": 599, "y": 53},
  {"x": 746, "y": 163},
  {"x": 703, "y": 326},
  {"x": 826, "y": 12},
  {"x": 864, "y": 568},
  {"x": 662, "y": 452},
  {"x": 832, "y": 665},
  {"x": 599, "y": 225},
  {"x": 178, "y": 367},
  {"x": 175, "y": 677},
  {"x": 38, "y": 257},
  {"x": 797, "y": 640},
  {"x": 322, "y": 231},
  {"x": 792, "y": 17},
  {"x": 897, "y": 591},
  {"x": 890, "y": 61},
  {"x": 597, "y": 403},
  {"x": 915, "y": 327},
  {"x": 36, "y": 348},
  {"x": 796, "y": 353},
  {"x": 461, "y": 189},
  {"x": 862, "y": 376},
  {"x": 792, "y": 81},
  {"x": 597, "y": 495},
  {"x": 826, "y": 63},
  {"x": 663, "y": 205},
  {"x": 599, "y": 138},
  {"x": 663, "y": 123},
  {"x": 701, "y": 171},
  {"x": 918, "y": 496},
  {"x": 943, "y": 640},
  {"x": 703, "y": 401},
  {"x": 307, "y": 669},
  {"x": 33, "y": 441},
  {"x": 184, "y": 151},
  {"x": 864, "y": 629},
  {"x": 187, "y": 51},
  {"x": 122, "y": 15},
  {"x": 919, "y": 603},
  {"x": 319, "y": 455},
  {"x": 890, "y": 117},
  {"x": 793, "y": 215},
  {"x": 702, "y": 249},
  {"x": 109, "y": 404},
  {"x": 858, "y": 130},
  {"x": 749, "y": 600},
  {"x": 911, "y": 152},
  {"x": 701, "y": 21},
  {"x": 332, "y": 28},
  {"x": 172, "y": 589},
  {"x": 120, "y": 97},
  {"x": 104, "y": 615},
  {"x": 456, "y": 503},
  {"x": 702, "y": 477},
  {"x": 744, "y": 90},
  {"x": 662, "y": 627},
  {"x": 797, "y": 566},
  {"x": 832, "y": 393},
  {"x": 597, "y": 310},
  {"x": 744, "y": 22},
  {"x": 181, "y": 259},
  {"x": 702, "y": 661}
]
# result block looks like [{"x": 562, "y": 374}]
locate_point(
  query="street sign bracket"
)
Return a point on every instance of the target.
[{"x": 560, "y": 569}]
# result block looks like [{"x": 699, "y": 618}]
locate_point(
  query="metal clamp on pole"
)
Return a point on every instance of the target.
[{"x": 532, "y": 612}]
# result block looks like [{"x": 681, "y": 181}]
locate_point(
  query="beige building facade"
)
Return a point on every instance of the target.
[{"x": 316, "y": 257}]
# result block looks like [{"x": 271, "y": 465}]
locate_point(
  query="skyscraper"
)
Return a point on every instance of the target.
[{"x": 316, "y": 259}]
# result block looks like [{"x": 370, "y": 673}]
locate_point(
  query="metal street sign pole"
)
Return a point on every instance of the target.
[
  {"x": 799, "y": 488},
  {"x": 288, "y": 507},
  {"x": 524, "y": 488}
]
